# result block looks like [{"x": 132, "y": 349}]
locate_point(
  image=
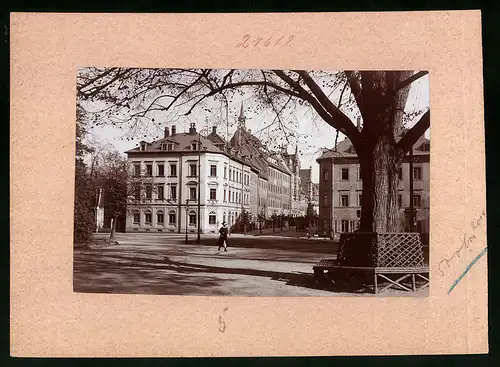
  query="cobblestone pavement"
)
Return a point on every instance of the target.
[{"x": 164, "y": 264}]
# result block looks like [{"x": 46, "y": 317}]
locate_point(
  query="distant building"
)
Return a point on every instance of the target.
[{"x": 340, "y": 188}]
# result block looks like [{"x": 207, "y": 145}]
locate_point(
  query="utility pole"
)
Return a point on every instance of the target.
[{"x": 199, "y": 187}]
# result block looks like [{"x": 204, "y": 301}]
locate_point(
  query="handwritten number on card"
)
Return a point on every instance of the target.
[
  {"x": 273, "y": 41},
  {"x": 222, "y": 324},
  {"x": 244, "y": 43}
]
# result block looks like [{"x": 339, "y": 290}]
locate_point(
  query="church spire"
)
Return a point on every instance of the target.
[{"x": 241, "y": 118}]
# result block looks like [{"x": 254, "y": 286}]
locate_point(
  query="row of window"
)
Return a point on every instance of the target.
[
  {"x": 344, "y": 174},
  {"x": 344, "y": 200},
  {"x": 172, "y": 217},
  {"x": 234, "y": 197},
  {"x": 278, "y": 175}
]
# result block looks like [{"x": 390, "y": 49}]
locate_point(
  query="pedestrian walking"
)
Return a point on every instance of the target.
[{"x": 222, "y": 241}]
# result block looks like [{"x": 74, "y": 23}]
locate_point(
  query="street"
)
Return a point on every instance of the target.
[{"x": 163, "y": 264}]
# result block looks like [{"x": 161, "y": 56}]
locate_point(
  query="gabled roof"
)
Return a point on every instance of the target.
[
  {"x": 182, "y": 142},
  {"x": 346, "y": 149}
]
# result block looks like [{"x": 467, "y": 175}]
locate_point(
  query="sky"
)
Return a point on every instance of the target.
[{"x": 320, "y": 134}]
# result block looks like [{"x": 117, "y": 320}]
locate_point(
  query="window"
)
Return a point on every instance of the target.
[
  {"x": 149, "y": 191},
  {"x": 213, "y": 170},
  {"x": 213, "y": 194},
  {"x": 225, "y": 172},
  {"x": 345, "y": 174},
  {"x": 225, "y": 191},
  {"x": 360, "y": 198},
  {"x": 344, "y": 225},
  {"x": 400, "y": 201},
  {"x": 173, "y": 192},
  {"x": 417, "y": 173},
  {"x": 344, "y": 200},
  {"x": 161, "y": 194},
  {"x": 194, "y": 146},
  {"x": 170, "y": 146},
  {"x": 192, "y": 169},
  {"x": 137, "y": 170},
  {"x": 137, "y": 192},
  {"x": 159, "y": 217},
  {"x": 359, "y": 173},
  {"x": 325, "y": 200},
  {"x": 171, "y": 217},
  {"x": 149, "y": 169},
  {"x": 147, "y": 217},
  {"x": 161, "y": 170},
  {"x": 224, "y": 217},
  {"x": 400, "y": 173},
  {"x": 143, "y": 147},
  {"x": 137, "y": 218},
  {"x": 192, "y": 218},
  {"x": 416, "y": 201},
  {"x": 173, "y": 170},
  {"x": 212, "y": 218},
  {"x": 192, "y": 193},
  {"x": 230, "y": 172},
  {"x": 325, "y": 175}
]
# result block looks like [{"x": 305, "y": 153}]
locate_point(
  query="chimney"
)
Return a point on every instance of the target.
[
  {"x": 174, "y": 130},
  {"x": 192, "y": 128},
  {"x": 214, "y": 130},
  {"x": 358, "y": 123},
  {"x": 167, "y": 133}
]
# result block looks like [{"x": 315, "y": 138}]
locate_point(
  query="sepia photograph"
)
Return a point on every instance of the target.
[{"x": 232, "y": 182}]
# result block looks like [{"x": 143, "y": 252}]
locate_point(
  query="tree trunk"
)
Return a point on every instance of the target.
[
  {"x": 379, "y": 207},
  {"x": 379, "y": 157}
]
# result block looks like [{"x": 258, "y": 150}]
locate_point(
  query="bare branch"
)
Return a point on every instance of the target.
[
  {"x": 412, "y": 135},
  {"x": 343, "y": 122},
  {"x": 410, "y": 80}
]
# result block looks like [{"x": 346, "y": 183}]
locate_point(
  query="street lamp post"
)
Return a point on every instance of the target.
[{"x": 412, "y": 210}]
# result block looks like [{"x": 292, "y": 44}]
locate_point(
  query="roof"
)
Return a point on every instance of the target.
[
  {"x": 346, "y": 149},
  {"x": 182, "y": 143}
]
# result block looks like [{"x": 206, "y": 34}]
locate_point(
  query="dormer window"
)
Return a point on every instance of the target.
[
  {"x": 143, "y": 147},
  {"x": 194, "y": 146},
  {"x": 167, "y": 146}
]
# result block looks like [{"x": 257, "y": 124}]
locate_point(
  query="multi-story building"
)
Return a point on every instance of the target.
[
  {"x": 340, "y": 188},
  {"x": 186, "y": 173}
]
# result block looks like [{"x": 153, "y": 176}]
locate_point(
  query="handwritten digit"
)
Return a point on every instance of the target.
[
  {"x": 223, "y": 325},
  {"x": 289, "y": 40},
  {"x": 243, "y": 43},
  {"x": 222, "y": 322},
  {"x": 257, "y": 41},
  {"x": 278, "y": 41},
  {"x": 268, "y": 42}
]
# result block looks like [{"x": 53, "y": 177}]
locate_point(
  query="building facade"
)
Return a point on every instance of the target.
[
  {"x": 186, "y": 174},
  {"x": 340, "y": 188}
]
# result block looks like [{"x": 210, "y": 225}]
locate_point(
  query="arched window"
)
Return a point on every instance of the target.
[
  {"x": 171, "y": 217},
  {"x": 224, "y": 217},
  {"x": 160, "y": 218},
  {"x": 148, "y": 214},
  {"x": 192, "y": 218},
  {"x": 137, "y": 216},
  {"x": 212, "y": 218}
]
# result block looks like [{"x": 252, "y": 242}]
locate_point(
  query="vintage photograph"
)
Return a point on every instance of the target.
[{"x": 252, "y": 182}]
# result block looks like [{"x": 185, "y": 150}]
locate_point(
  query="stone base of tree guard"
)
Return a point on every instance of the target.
[{"x": 391, "y": 257}]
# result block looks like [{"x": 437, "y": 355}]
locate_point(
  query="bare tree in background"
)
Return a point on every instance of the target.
[{"x": 130, "y": 97}]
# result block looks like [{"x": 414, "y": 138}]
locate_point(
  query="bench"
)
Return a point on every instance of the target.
[{"x": 377, "y": 256}]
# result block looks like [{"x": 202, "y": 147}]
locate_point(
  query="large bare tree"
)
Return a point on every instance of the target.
[{"x": 129, "y": 98}]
